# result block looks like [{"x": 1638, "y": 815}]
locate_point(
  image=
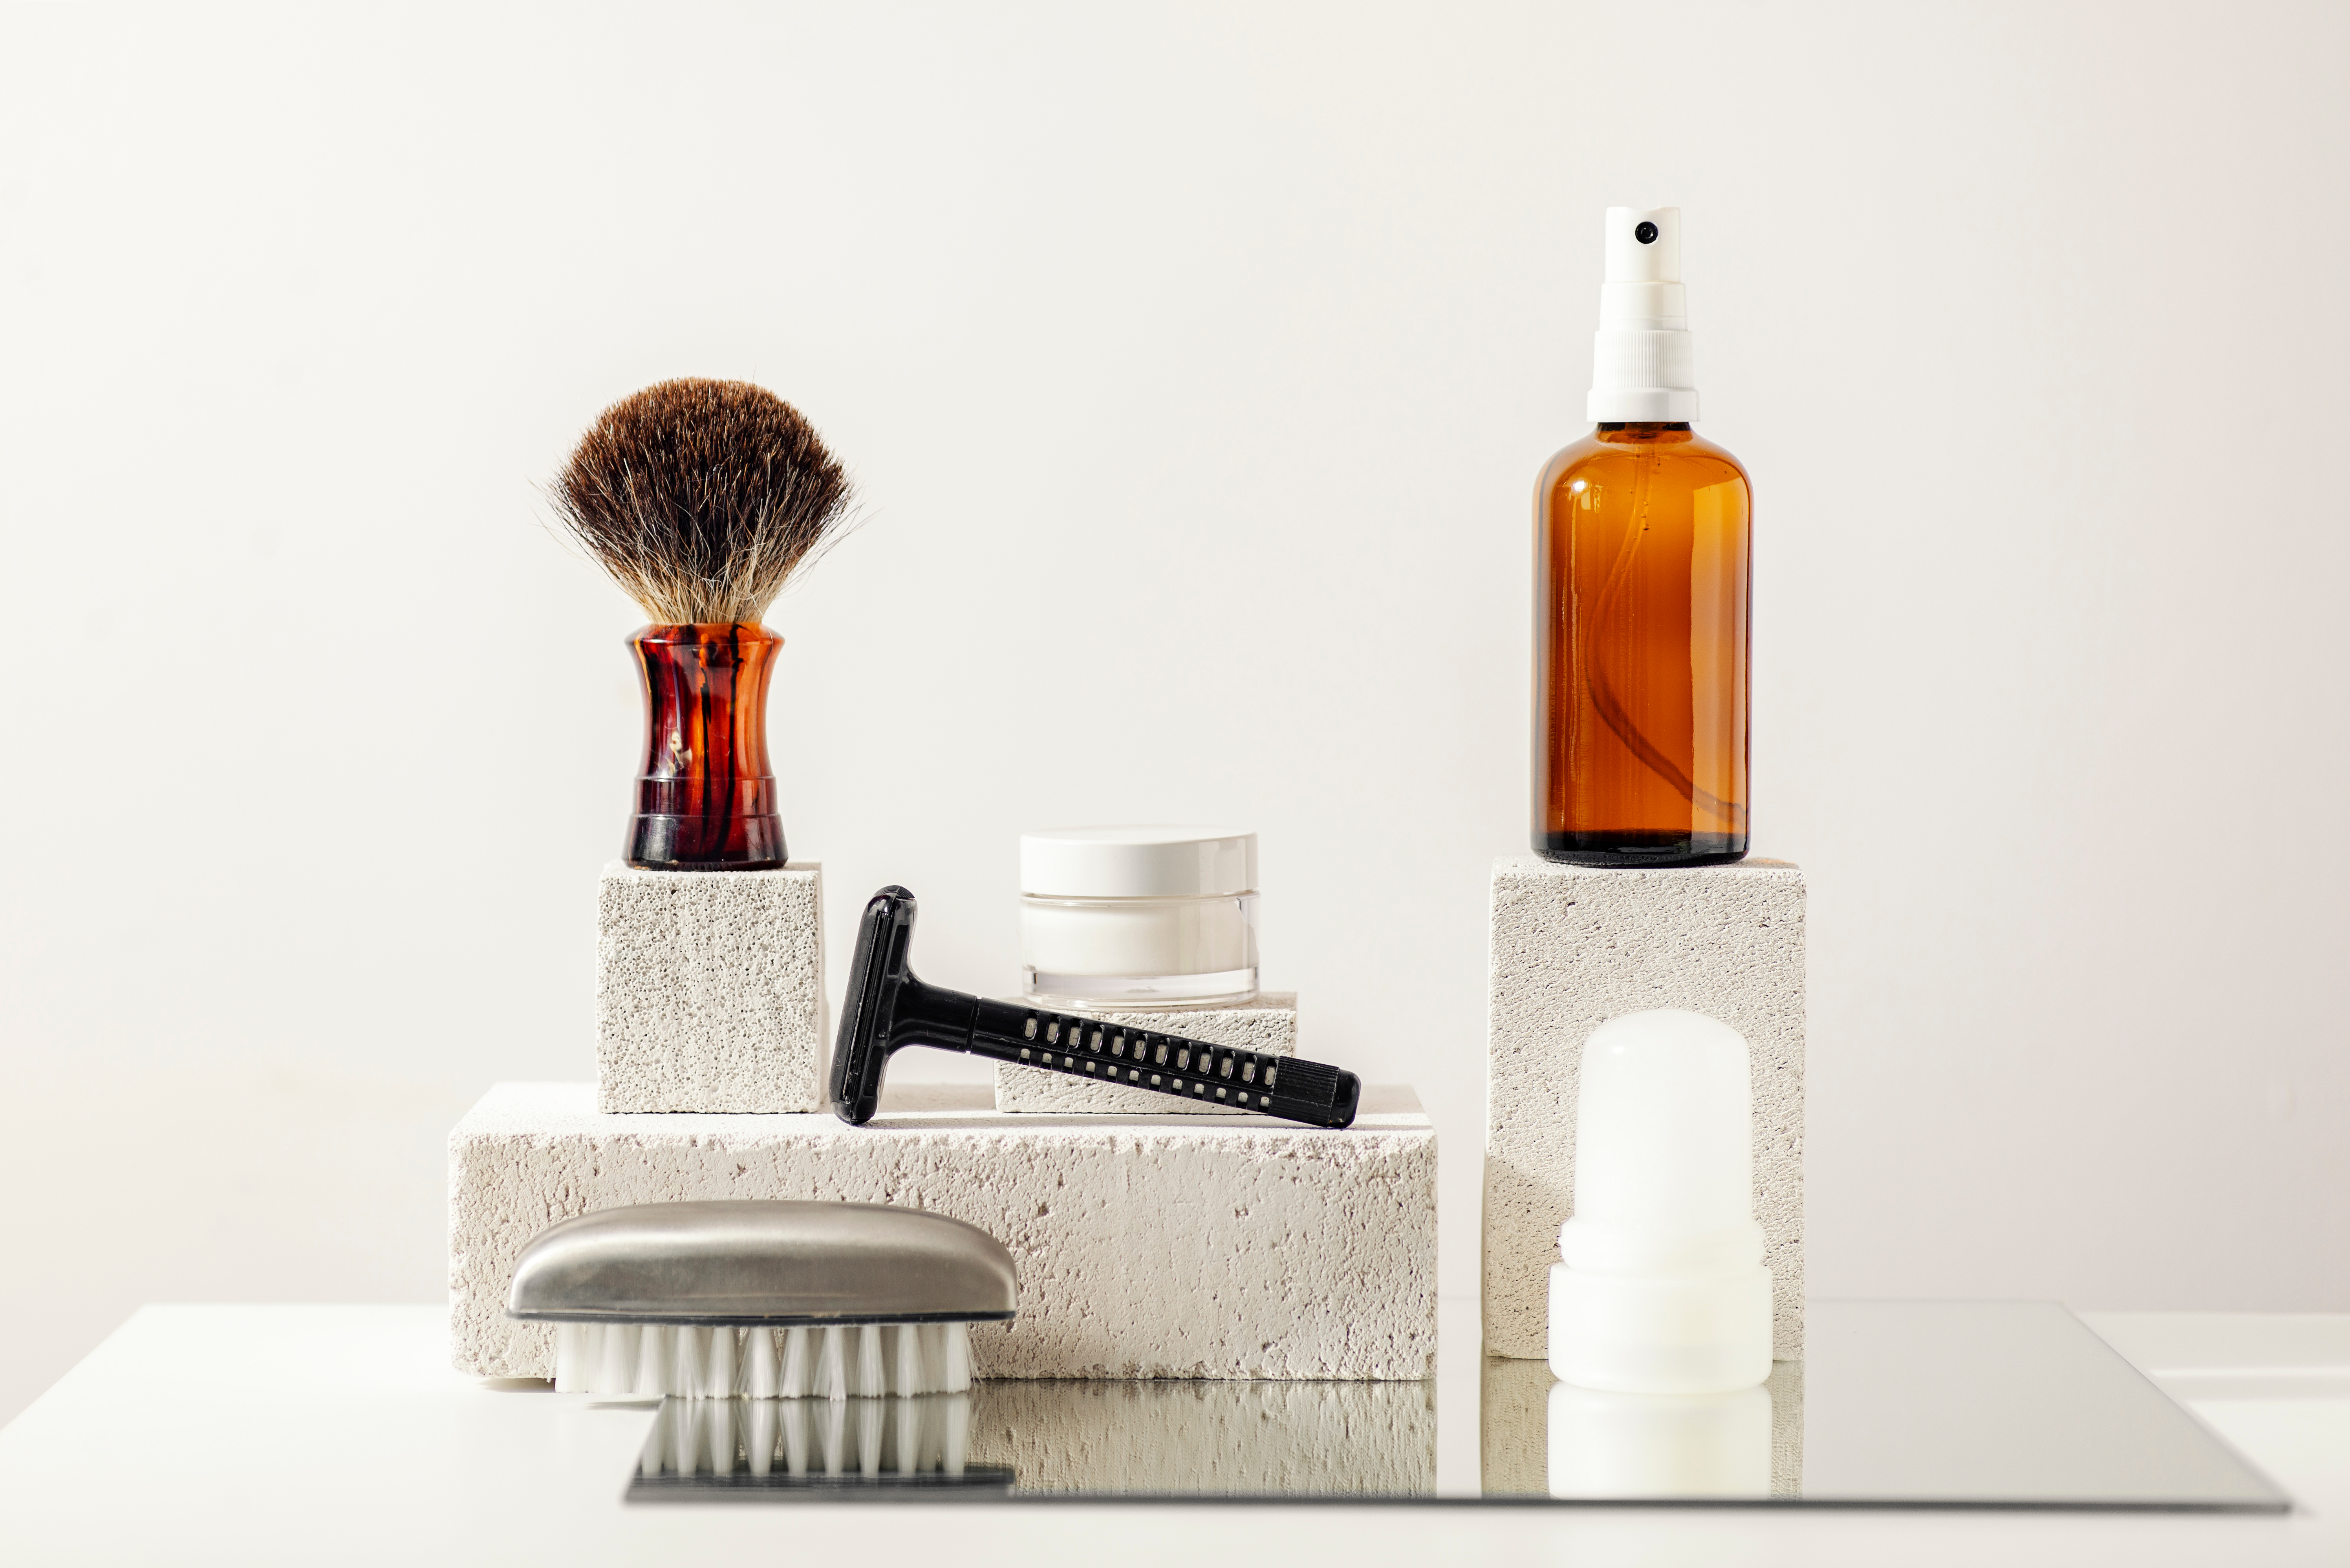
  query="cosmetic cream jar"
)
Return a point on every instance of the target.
[{"x": 1138, "y": 917}]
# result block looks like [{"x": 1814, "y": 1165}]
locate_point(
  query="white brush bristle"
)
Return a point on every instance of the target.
[
  {"x": 571, "y": 1356},
  {"x": 616, "y": 1368},
  {"x": 906, "y": 1364},
  {"x": 655, "y": 1360},
  {"x": 718, "y": 1382},
  {"x": 832, "y": 1365},
  {"x": 956, "y": 1379},
  {"x": 795, "y": 1382},
  {"x": 759, "y": 1363},
  {"x": 685, "y": 1361}
]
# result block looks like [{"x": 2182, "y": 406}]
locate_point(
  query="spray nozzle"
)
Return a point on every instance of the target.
[{"x": 1642, "y": 366}]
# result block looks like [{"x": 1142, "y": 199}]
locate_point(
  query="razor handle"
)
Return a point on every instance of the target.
[
  {"x": 888, "y": 1007},
  {"x": 1208, "y": 1075}
]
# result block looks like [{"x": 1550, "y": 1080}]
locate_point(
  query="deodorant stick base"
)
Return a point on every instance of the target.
[{"x": 1660, "y": 1336}]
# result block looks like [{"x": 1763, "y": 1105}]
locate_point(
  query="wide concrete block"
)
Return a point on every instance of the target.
[
  {"x": 1167, "y": 1246},
  {"x": 1267, "y": 1024},
  {"x": 710, "y": 990},
  {"x": 1572, "y": 948}
]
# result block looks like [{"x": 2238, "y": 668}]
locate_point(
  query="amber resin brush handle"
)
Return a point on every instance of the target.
[{"x": 706, "y": 795}]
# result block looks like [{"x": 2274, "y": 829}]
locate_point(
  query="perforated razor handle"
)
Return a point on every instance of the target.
[{"x": 888, "y": 1008}]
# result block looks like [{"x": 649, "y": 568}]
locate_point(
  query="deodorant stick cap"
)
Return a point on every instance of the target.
[{"x": 1661, "y": 1288}]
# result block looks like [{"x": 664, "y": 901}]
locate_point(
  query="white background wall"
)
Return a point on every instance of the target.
[{"x": 1195, "y": 363}]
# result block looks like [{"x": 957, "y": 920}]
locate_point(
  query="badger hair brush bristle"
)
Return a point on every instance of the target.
[{"x": 702, "y": 498}]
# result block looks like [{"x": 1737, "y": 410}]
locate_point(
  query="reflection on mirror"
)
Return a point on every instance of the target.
[
  {"x": 1546, "y": 1439},
  {"x": 1073, "y": 1438},
  {"x": 1659, "y": 1445},
  {"x": 731, "y": 1444},
  {"x": 1900, "y": 1404}
]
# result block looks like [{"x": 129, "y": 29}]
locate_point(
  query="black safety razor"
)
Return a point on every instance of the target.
[{"x": 888, "y": 1007}]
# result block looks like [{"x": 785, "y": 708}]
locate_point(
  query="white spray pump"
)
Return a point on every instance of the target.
[{"x": 1642, "y": 365}]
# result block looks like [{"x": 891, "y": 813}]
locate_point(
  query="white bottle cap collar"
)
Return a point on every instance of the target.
[{"x": 1138, "y": 862}]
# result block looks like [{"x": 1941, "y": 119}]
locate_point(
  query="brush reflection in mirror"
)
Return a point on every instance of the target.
[
  {"x": 1098, "y": 1437},
  {"x": 1611, "y": 1445},
  {"x": 748, "y": 1441}
]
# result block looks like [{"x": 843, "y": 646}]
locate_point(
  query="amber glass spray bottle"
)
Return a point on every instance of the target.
[{"x": 1642, "y": 543}]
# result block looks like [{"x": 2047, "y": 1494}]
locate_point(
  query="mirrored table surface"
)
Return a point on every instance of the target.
[
  {"x": 258, "y": 1434},
  {"x": 1898, "y": 1405}
]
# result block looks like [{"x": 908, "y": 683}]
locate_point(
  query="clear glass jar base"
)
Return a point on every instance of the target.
[{"x": 1136, "y": 992}]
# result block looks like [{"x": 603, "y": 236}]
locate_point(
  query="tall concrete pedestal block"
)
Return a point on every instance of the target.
[
  {"x": 1572, "y": 948},
  {"x": 710, "y": 990}
]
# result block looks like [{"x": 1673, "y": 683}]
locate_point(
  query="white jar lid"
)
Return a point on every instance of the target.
[{"x": 1138, "y": 862}]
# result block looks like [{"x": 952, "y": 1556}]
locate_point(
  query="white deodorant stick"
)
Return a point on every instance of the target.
[{"x": 1661, "y": 1288}]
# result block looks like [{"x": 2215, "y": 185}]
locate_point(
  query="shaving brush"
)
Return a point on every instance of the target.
[{"x": 701, "y": 499}]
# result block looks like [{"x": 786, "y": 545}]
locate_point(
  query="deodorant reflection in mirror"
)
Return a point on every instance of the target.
[{"x": 1603, "y": 1444}]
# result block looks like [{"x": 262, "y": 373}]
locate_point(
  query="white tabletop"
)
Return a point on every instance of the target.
[{"x": 307, "y": 1434}]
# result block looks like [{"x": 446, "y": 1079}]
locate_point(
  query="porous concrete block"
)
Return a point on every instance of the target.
[
  {"x": 1268, "y": 1024},
  {"x": 1572, "y": 948},
  {"x": 710, "y": 990},
  {"x": 1164, "y": 1246}
]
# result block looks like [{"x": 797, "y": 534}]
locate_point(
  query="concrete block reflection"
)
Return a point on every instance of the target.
[
  {"x": 1208, "y": 1439},
  {"x": 1185, "y": 1436}
]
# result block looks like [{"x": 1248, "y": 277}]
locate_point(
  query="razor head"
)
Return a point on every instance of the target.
[
  {"x": 878, "y": 975},
  {"x": 763, "y": 1262}
]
